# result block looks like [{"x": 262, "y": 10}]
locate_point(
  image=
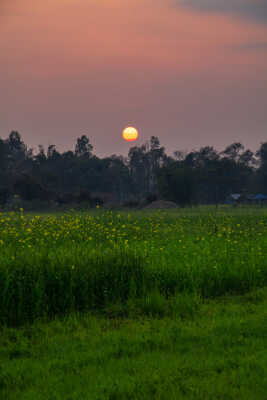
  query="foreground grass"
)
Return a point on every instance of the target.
[
  {"x": 56, "y": 264},
  {"x": 128, "y": 305},
  {"x": 218, "y": 351}
]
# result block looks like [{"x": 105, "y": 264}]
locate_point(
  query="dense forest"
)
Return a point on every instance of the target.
[{"x": 51, "y": 178}]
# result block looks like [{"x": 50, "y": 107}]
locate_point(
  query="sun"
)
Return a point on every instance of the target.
[{"x": 130, "y": 134}]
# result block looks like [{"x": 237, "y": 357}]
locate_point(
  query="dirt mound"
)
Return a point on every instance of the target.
[{"x": 160, "y": 204}]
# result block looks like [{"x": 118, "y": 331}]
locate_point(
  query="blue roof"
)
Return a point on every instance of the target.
[{"x": 260, "y": 197}]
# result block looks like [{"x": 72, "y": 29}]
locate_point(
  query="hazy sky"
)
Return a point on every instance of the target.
[{"x": 192, "y": 72}]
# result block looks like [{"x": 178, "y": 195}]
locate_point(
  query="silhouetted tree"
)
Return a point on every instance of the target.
[
  {"x": 200, "y": 176},
  {"x": 83, "y": 147}
]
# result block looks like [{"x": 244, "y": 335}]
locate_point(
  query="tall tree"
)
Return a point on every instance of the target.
[
  {"x": 156, "y": 155},
  {"x": 139, "y": 168},
  {"x": 262, "y": 172},
  {"x": 233, "y": 151},
  {"x": 83, "y": 147},
  {"x": 16, "y": 144}
]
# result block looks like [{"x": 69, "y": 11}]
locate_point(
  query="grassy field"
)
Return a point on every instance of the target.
[{"x": 134, "y": 305}]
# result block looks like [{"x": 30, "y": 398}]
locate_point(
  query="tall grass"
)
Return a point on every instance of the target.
[{"x": 51, "y": 265}]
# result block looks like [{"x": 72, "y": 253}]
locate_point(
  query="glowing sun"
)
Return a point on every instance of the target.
[{"x": 130, "y": 134}]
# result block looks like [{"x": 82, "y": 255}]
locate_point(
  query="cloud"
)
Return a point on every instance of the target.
[{"x": 250, "y": 9}]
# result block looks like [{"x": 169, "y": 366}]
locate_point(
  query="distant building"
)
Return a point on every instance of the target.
[
  {"x": 233, "y": 198},
  {"x": 237, "y": 198},
  {"x": 260, "y": 197}
]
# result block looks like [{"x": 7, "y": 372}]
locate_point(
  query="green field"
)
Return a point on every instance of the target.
[{"x": 134, "y": 304}]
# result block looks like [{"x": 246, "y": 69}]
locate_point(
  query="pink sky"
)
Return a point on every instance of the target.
[{"x": 74, "y": 67}]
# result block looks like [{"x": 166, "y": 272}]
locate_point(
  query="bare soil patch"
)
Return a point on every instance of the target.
[{"x": 161, "y": 204}]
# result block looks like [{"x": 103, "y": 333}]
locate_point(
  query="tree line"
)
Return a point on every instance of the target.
[{"x": 203, "y": 176}]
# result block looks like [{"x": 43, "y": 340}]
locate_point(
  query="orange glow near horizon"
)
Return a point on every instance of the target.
[{"x": 130, "y": 134}]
